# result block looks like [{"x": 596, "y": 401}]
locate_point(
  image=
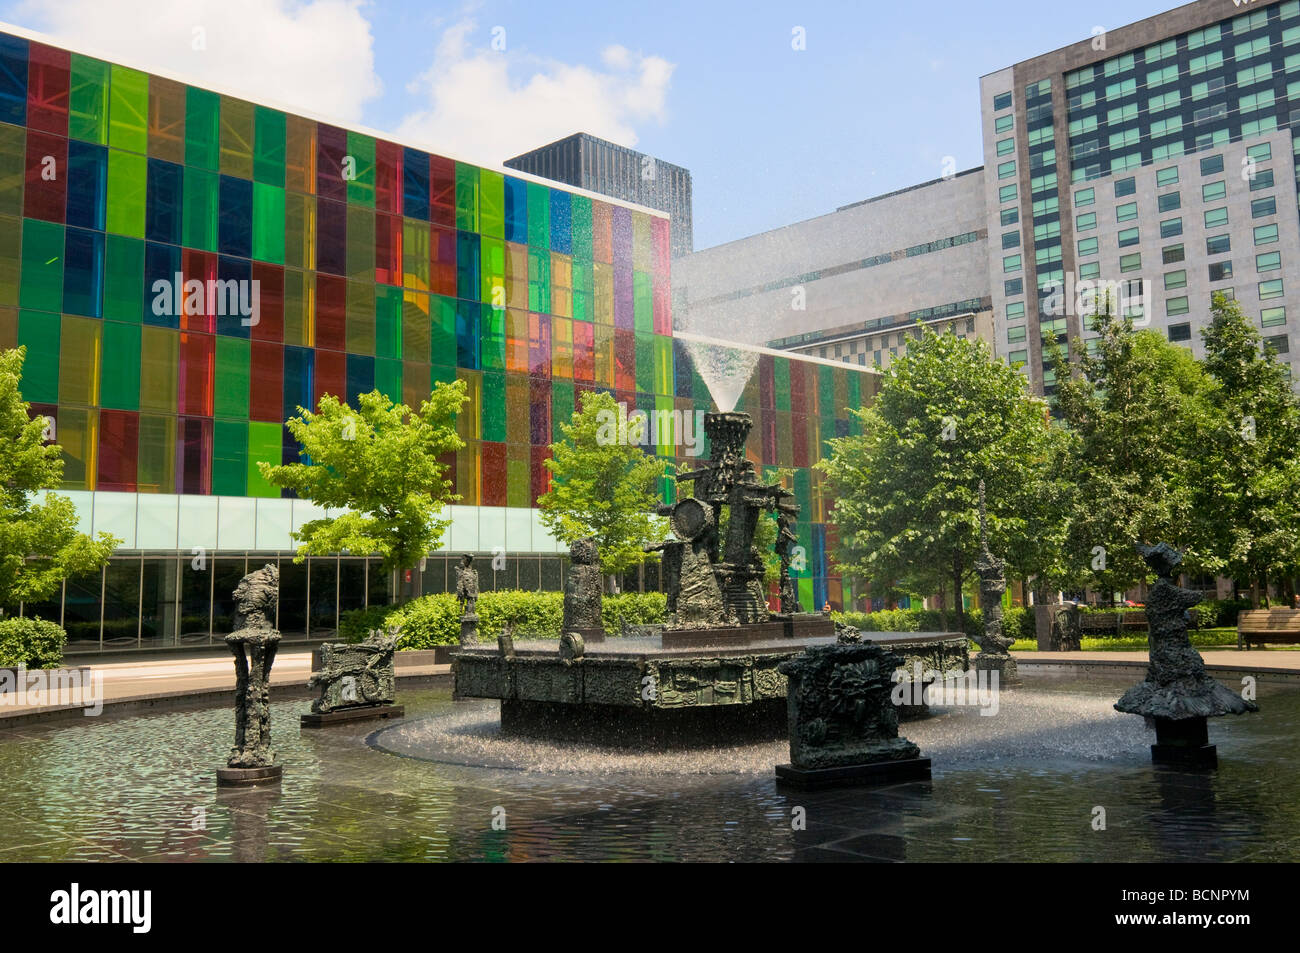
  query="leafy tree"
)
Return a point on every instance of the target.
[
  {"x": 1247, "y": 492},
  {"x": 379, "y": 464},
  {"x": 1134, "y": 412},
  {"x": 603, "y": 486},
  {"x": 39, "y": 542},
  {"x": 906, "y": 489}
]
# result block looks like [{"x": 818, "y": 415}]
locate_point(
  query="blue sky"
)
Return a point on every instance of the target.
[{"x": 881, "y": 94}]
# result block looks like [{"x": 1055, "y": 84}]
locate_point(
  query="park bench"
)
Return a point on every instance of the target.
[
  {"x": 1112, "y": 623},
  {"x": 1261, "y": 626}
]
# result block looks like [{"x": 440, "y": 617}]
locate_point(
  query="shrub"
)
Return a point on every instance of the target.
[
  {"x": 31, "y": 642},
  {"x": 633, "y": 608},
  {"x": 355, "y": 624},
  {"x": 1219, "y": 613},
  {"x": 911, "y": 620}
]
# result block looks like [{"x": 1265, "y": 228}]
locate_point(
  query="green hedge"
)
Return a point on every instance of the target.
[
  {"x": 435, "y": 620},
  {"x": 31, "y": 642},
  {"x": 1017, "y": 622}
]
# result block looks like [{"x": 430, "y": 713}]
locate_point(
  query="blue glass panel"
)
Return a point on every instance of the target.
[
  {"x": 361, "y": 376},
  {"x": 561, "y": 227},
  {"x": 516, "y": 211},
  {"x": 467, "y": 266},
  {"x": 87, "y": 184},
  {"x": 234, "y": 297},
  {"x": 162, "y": 218},
  {"x": 161, "y": 264},
  {"x": 235, "y": 221},
  {"x": 83, "y": 272},
  {"x": 415, "y": 184},
  {"x": 299, "y": 377},
  {"x": 13, "y": 80},
  {"x": 467, "y": 335}
]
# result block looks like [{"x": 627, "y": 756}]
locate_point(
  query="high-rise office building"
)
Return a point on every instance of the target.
[
  {"x": 1154, "y": 162},
  {"x": 607, "y": 168}
]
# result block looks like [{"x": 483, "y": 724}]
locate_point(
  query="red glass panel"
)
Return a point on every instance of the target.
[
  {"x": 270, "y": 285},
  {"x": 202, "y": 267},
  {"x": 194, "y": 455},
  {"x": 388, "y": 179},
  {"x": 541, "y": 476},
  {"x": 266, "y": 382},
  {"x": 47, "y": 89},
  {"x": 584, "y": 358},
  {"x": 624, "y": 360},
  {"x": 331, "y": 315},
  {"x": 196, "y": 374},
  {"x": 799, "y": 437},
  {"x": 539, "y": 345},
  {"x": 442, "y": 192},
  {"x": 493, "y": 473},
  {"x": 388, "y": 249},
  {"x": 331, "y": 147},
  {"x": 119, "y": 436},
  {"x": 331, "y": 375},
  {"x": 46, "y": 194},
  {"x": 442, "y": 252}
]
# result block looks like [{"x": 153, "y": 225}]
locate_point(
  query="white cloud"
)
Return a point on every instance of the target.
[
  {"x": 480, "y": 109},
  {"x": 315, "y": 55}
]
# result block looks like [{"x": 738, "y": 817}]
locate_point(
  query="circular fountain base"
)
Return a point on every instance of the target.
[{"x": 649, "y": 727}]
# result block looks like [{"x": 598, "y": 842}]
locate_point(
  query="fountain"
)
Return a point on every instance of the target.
[{"x": 712, "y": 671}]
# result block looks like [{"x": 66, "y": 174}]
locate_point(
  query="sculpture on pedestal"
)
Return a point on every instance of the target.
[
  {"x": 994, "y": 655},
  {"x": 467, "y": 596},
  {"x": 1177, "y": 694},
  {"x": 355, "y": 680},
  {"x": 582, "y": 593},
  {"x": 253, "y": 643},
  {"x": 843, "y": 723}
]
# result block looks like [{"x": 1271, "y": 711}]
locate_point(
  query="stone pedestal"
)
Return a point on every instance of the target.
[
  {"x": 1004, "y": 665},
  {"x": 469, "y": 629},
  {"x": 345, "y": 715},
  {"x": 1184, "y": 742},
  {"x": 246, "y": 777}
]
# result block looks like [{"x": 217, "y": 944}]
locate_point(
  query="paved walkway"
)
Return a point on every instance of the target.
[{"x": 1226, "y": 658}]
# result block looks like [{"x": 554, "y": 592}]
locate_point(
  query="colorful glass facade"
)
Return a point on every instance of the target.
[{"x": 374, "y": 264}]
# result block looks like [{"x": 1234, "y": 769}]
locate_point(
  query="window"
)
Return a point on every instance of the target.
[
  {"x": 1180, "y": 332},
  {"x": 1011, "y": 240},
  {"x": 1006, "y": 147},
  {"x": 1175, "y": 280},
  {"x": 1279, "y": 343},
  {"x": 1130, "y": 262},
  {"x": 1084, "y": 197},
  {"x": 1218, "y": 244},
  {"x": 1269, "y": 261},
  {"x": 1017, "y": 357},
  {"x": 1167, "y": 177},
  {"x": 1175, "y": 306},
  {"x": 1271, "y": 289},
  {"x": 1272, "y": 317},
  {"x": 1090, "y": 270},
  {"x": 1126, "y": 212},
  {"x": 1016, "y": 286},
  {"x": 1007, "y": 170},
  {"x": 1083, "y": 223},
  {"x": 1216, "y": 218},
  {"x": 1171, "y": 228},
  {"x": 1212, "y": 165},
  {"x": 1007, "y": 193},
  {"x": 1214, "y": 191},
  {"x": 1262, "y": 179},
  {"x": 1263, "y": 208},
  {"x": 1004, "y": 123},
  {"x": 1170, "y": 201},
  {"x": 1016, "y": 334},
  {"x": 1001, "y": 101},
  {"x": 1265, "y": 234},
  {"x": 1172, "y": 254},
  {"x": 1262, "y": 152},
  {"x": 1125, "y": 187},
  {"x": 1221, "y": 271},
  {"x": 1010, "y": 216},
  {"x": 1010, "y": 263},
  {"x": 1128, "y": 237},
  {"x": 1087, "y": 246}
]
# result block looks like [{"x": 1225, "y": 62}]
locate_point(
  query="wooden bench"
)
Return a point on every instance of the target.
[{"x": 1261, "y": 626}]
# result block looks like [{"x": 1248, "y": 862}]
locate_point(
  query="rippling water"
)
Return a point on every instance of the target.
[{"x": 1022, "y": 785}]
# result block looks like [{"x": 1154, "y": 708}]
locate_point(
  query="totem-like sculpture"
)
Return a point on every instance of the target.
[
  {"x": 355, "y": 680},
  {"x": 994, "y": 655},
  {"x": 719, "y": 582},
  {"x": 582, "y": 593},
  {"x": 1177, "y": 693},
  {"x": 843, "y": 722},
  {"x": 253, "y": 643},
  {"x": 467, "y": 596}
]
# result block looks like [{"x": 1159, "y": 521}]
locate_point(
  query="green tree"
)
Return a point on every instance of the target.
[
  {"x": 379, "y": 465},
  {"x": 603, "y": 486},
  {"x": 1247, "y": 492},
  {"x": 906, "y": 489},
  {"x": 1134, "y": 411},
  {"x": 39, "y": 542}
]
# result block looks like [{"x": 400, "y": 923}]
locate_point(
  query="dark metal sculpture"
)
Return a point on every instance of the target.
[
  {"x": 582, "y": 592},
  {"x": 467, "y": 596},
  {"x": 843, "y": 723},
  {"x": 356, "y": 675},
  {"x": 253, "y": 643},
  {"x": 994, "y": 655},
  {"x": 1177, "y": 694}
]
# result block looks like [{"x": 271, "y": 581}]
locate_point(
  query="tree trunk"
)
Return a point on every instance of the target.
[
  {"x": 942, "y": 599},
  {"x": 956, "y": 593},
  {"x": 1254, "y": 592},
  {"x": 1264, "y": 587}
]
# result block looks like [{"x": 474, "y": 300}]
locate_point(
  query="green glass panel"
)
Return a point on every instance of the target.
[
  {"x": 269, "y": 147},
  {"x": 128, "y": 110},
  {"x": 492, "y": 346},
  {"x": 467, "y": 185},
  {"x": 642, "y": 302},
  {"x": 79, "y": 344},
  {"x": 120, "y": 388},
  {"x": 156, "y": 457},
  {"x": 388, "y": 378},
  {"x": 199, "y": 224},
  {"x": 127, "y": 181},
  {"x": 231, "y": 382},
  {"x": 442, "y": 328},
  {"x": 268, "y": 223},
  {"x": 413, "y": 325},
  {"x": 581, "y": 220},
  {"x": 781, "y": 382},
  {"x": 492, "y": 265},
  {"x": 11, "y": 261},
  {"x": 229, "y": 457},
  {"x": 159, "y": 369},
  {"x": 12, "y": 165},
  {"x": 388, "y": 326},
  {"x": 237, "y": 133},
  {"x": 441, "y": 373},
  {"x": 88, "y": 99},
  {"x": 492, "y": 203},
  {"x": 42, "y": 281},
  {"x": 360, "y": 318},
  {"x": 360, "y": 174},
  {"x": 263, "y": 445},
  {"x": 582, "y": 281},
  {"x": 825, "y": 391},
  {"x": 518, "y": 482},
  {"x": 202, "y": 129},
  {"x": 39, "y": 333},
  {"x": 539, "y": 216},
  {"x": 562, "y": 407},
  {"x": 360, "y": 245},
  {"x": 123, "y": 279},
  {"x": 663, "y": 350},
  {"x": 539, "y": 279},
  {"x": 493, "y": 407}
]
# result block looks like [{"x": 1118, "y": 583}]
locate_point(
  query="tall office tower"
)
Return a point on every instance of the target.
[
  {"x": 1157, "y": 158},
  {"x": 596, "y": 165}
]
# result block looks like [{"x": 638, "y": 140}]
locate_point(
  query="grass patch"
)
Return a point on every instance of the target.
[{"x": 1202, "y": 638}]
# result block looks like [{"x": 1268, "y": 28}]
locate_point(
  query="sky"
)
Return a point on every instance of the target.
[{"x": 876, "y": 98}]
